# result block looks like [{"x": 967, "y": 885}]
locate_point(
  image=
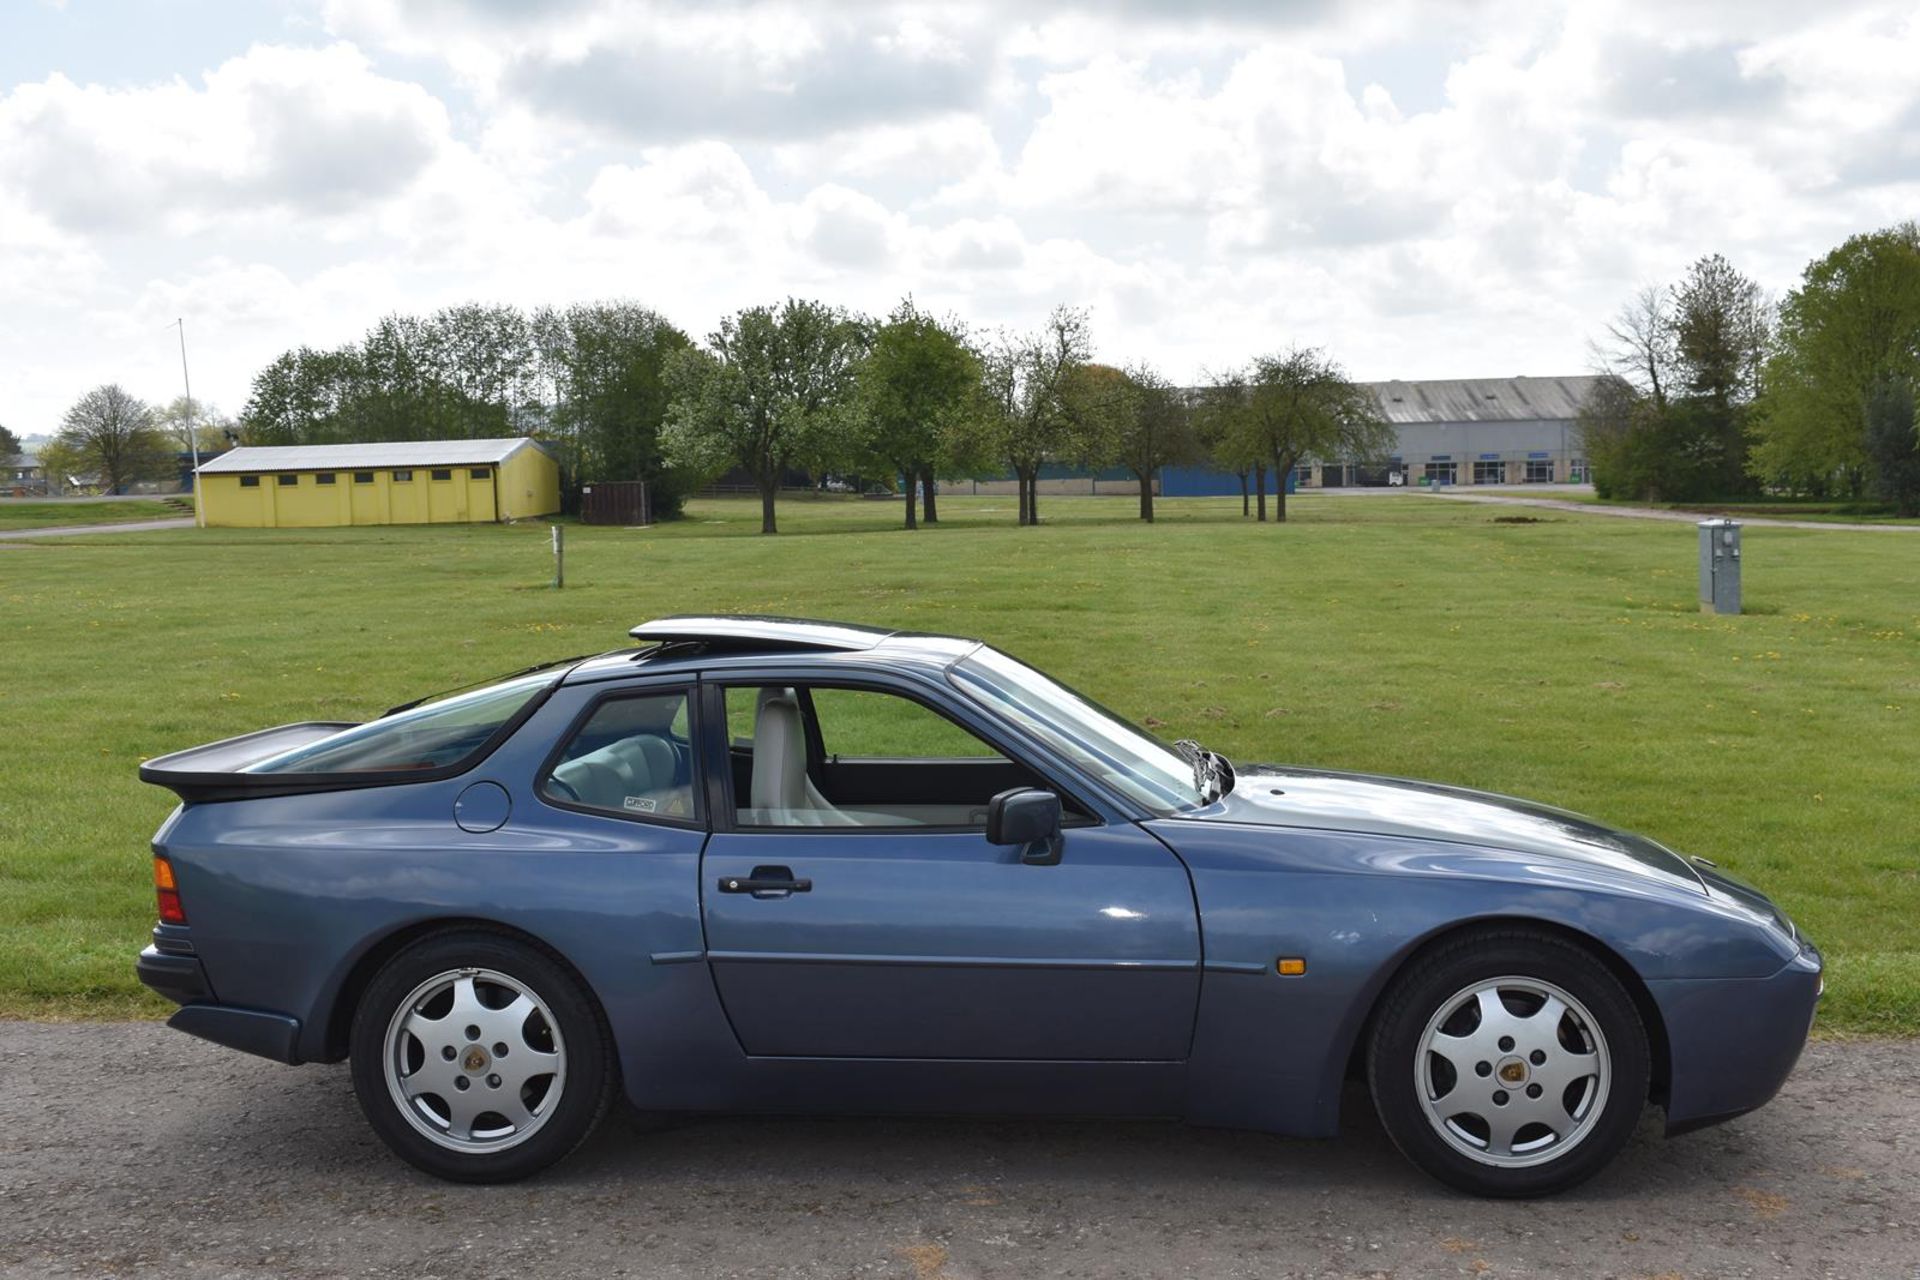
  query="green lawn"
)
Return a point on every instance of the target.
[
  {"x": 1764, "y": 508},
  {"x": 16, "y": 514},
  {"x": 1564, "y": 660}
]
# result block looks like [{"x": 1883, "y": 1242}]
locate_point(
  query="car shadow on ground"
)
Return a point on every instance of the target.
[{"x": 1092, "y": 1157}]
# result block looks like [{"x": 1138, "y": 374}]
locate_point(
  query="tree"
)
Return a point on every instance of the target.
[
  {"x": 1720, "y": 331},
  {"x": 114, "y": 434},
  {"x": 775, "y": 388},
  {"x": 1301, "y": 405},
  {"x": 301, "y": 398},
  {"x": 190, "y": 422},
  {"x": 1849, "y": 330},
  {"x": 62, "y": 464},
  {"x": 1893, "y": 446},
  {"x": 1639, "y": 345},
  {"x": 1669, "y": 420},
  {"x": 1025, "y": 382},
  {"x": 607, "y": 363},
  {"x": 1222, "y": 430},
  {"x": 9, "y": 443},
  {"x": 916, "y": 389},
  {"x": 1132, "y": 417}
]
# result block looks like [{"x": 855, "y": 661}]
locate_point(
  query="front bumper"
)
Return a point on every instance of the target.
[{"x": 1734, "y": 1041}]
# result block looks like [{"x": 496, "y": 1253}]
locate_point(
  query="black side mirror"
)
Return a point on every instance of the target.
[{"x": 1029, "y": 818}]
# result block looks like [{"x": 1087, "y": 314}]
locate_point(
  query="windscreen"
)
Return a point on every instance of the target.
[
  {"x": 1100, "y": 742},
  {"x": 435, "y": 735}
]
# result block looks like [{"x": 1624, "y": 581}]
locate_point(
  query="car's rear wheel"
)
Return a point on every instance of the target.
[
  {"x": 480, "y": 1058},
  {"x": 1509, "y": 1063}
]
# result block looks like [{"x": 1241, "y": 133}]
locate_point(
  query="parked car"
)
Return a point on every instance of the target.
[{"x": 767, "y": 865}]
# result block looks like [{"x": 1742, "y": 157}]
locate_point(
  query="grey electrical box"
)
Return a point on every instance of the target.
[{"x": 1719, "y": 566}]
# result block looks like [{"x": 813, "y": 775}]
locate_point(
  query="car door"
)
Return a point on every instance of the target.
[{"x": 874, "y": 920}]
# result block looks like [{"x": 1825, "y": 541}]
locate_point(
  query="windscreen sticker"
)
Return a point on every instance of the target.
[{"x": 641, "y": 804}]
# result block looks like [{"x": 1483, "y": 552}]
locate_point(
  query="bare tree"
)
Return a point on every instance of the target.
[
  {"x": 1639, "y": 344},
  {"x": 114, "y": 433}
]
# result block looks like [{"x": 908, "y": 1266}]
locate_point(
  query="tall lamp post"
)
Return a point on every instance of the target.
[{"x": 193, "y": 429}]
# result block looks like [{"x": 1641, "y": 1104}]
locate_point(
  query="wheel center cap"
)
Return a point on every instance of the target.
[
  {"x": 1512, "y": 1071},
  {"x": 475, "y": 1059}
]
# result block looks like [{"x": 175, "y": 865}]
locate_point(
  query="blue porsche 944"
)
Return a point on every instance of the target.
[{"x": 773, "y": 865}]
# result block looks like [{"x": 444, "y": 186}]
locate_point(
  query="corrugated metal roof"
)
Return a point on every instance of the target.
[
  {"x": 347, "y": 457},
  {"x": 1482, "y": 399}
]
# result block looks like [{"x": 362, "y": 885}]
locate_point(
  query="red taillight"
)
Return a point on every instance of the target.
[{"x": 167, "y": 892}]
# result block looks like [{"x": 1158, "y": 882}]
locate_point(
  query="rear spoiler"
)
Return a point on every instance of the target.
[{"x": 212, "y": 771}]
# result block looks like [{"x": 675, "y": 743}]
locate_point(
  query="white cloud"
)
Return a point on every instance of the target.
[
  {"x": 314, "y": 130},
  {"x": 1425, "y": 190}
]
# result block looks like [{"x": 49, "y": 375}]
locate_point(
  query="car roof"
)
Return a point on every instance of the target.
[
  {"x": 693, "y": 641},
  {"x": 758, "y": 631}
]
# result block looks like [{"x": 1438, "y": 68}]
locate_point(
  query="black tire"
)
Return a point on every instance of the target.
[
  {"x": 587, "y": 1083},
  {"x": 1434, "y": 981}
]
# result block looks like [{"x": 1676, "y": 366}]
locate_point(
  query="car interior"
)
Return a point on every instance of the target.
[
  {"x": 823, "y": 756},
  {"x": 812, "y": 757},
  {"x": 634, "y": 756}
]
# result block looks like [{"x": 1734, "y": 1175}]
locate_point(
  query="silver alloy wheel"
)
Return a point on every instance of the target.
[
  {"x": 474, "y": 1060},
  {"x": 1512, "y": 1071}
]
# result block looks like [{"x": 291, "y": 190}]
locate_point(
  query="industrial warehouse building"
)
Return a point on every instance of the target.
[
  {"x": 413, "y": 482},
  {"x": 1473, "y": 431},
  {"x": 1448, "y": 431}
]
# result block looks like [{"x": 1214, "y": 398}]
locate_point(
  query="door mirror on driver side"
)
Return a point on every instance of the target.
[{"x": 1030, "y": 819}]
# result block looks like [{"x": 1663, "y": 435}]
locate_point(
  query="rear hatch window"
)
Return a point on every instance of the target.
[{"x": 436, "y": 735}]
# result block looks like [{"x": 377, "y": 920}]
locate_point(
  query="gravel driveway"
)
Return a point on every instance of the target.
[{"x": 130, "y": 1150}]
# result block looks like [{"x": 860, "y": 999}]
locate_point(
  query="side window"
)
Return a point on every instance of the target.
[
  {"x": 863, "y": 724},
  {"x": 821, "y": 756},
  {"x": 633, "y": 757}
]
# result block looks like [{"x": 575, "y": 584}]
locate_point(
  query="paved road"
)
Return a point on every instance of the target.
[
  {"x": 130, "y": 1150},
  {"x": 1658, "y": 513},
  {"x": 125, "y": 526}
]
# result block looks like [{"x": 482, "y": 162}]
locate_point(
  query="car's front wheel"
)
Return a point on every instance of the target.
[
  {"x": 1509, "y": 1063},
  {"x": 479, "y": 1058}
]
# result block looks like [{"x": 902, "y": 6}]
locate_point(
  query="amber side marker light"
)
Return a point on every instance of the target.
[
  {"x": 1290, "y": 966},
  {"x": 167, "y": 893}
]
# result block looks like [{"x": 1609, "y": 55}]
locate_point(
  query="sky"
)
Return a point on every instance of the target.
[{"x": 1424, "y": 189}]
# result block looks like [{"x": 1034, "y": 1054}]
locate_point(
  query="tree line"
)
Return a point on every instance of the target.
[
  {"x": 805, "y": 387},
  {"x": 1714, "y": 391}
]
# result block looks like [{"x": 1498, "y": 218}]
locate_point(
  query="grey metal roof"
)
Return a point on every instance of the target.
[
  {"x": 1482, "y": 399},
  {"x": 346, "y": 457}
]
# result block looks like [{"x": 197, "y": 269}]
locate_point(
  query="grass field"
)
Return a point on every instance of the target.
[
  {"x": 1767, "y": 508},
  {"x": 1563, "y": 660},
  {"x": 39, "y": 515}
]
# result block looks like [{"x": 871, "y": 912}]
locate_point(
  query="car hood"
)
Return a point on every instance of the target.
[{"x": 1322, "y": 800}]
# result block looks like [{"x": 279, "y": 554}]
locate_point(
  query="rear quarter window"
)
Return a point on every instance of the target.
[{"x": 444, "y": 734}]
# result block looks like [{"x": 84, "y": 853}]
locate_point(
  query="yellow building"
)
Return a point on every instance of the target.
[{"x": 412, "y": 482}]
